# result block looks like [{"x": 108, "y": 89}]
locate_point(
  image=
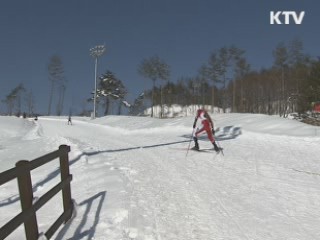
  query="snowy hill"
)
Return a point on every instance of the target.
[{"x": 132, "y": 178}]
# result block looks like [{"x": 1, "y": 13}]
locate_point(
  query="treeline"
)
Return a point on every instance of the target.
[
  {"x": 21, "y": 101},
  {"x": 226, "y": 81}
]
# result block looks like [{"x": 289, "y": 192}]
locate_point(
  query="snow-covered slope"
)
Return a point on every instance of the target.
[{"x": 134, "y": 179}]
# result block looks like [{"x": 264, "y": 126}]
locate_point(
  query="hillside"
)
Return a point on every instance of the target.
[{"x": 132, "y": 178}]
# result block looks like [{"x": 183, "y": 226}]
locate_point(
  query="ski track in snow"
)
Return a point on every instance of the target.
[{"x": 136, "y": 185}]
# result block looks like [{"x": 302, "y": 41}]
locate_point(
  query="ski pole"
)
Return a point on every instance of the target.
[
  {"x": 221, "y": 149},
  {"x": 190, "y": 143}
]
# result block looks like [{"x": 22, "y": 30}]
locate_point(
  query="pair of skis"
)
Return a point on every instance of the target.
[
  {"x": 208, "y": 150},
  {"x": 203, "y": 150}
]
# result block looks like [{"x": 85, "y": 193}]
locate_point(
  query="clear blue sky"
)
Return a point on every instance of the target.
[{"x": 181, "y": 32}]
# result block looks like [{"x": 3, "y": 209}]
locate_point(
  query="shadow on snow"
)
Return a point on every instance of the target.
[
  {"x": 82, "y": 231},
  {"x": 221, "y": 133}
]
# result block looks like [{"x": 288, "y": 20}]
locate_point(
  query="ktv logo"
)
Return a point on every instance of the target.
[{"x": 286, "y": 17}]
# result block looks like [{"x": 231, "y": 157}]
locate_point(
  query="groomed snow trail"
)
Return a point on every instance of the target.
[{"x": 139, "y": 184}]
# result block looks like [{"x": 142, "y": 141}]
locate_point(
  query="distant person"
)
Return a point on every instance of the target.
[
  {"x": 69, "y": 120},
  {"x": 36, "y": 118},
  {"x": 206, "y": 126}
]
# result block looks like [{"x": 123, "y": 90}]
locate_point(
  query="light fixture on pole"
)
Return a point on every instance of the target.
[{"x": 96, "y": 52}]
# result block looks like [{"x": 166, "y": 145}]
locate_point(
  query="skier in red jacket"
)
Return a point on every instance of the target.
[{"x": 206, "y": 126}]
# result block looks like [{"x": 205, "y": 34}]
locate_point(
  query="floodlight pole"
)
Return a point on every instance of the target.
[
  {"x": 96, "y": 52},
  {"x": 95, "y": 87}
]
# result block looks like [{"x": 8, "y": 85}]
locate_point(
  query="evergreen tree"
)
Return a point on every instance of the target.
[
  {"x": 137, "y": 107},
  {"x": 111, "y": 88},
  {"x": 13, "y": 100}
]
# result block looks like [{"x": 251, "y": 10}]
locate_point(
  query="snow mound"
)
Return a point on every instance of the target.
[
  {"x": 226, "y": 124},
  {"x": 13, "y": 127}
]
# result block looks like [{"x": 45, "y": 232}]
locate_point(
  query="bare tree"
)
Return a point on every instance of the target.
[
  {"x": 62, "y": 90},
  {"x": 242, "y": 68},
  {"x": 227, "y": 61},
  {"x": 280, "y": 55},
  {"x": 154, "y": 68},
  {"x": 211, "y": 71},
  {"x": 56, "y": 77},
  {"x": 30, "y": 103}
]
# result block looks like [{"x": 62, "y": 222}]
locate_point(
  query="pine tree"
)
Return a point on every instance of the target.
[
  {"x": 111, "y": 88},
  {"x": 13, "y": 99}
]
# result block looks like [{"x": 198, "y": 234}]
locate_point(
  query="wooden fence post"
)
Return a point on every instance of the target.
[
  {"x": 26, "y": 197},
  {"x": 64, "y": 169}
]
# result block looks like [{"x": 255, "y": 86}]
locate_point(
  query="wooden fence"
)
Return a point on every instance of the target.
[{"x": 22, "y": 172}]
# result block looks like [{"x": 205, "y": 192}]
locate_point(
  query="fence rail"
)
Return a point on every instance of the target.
[{"x": 22, "y": 172}]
